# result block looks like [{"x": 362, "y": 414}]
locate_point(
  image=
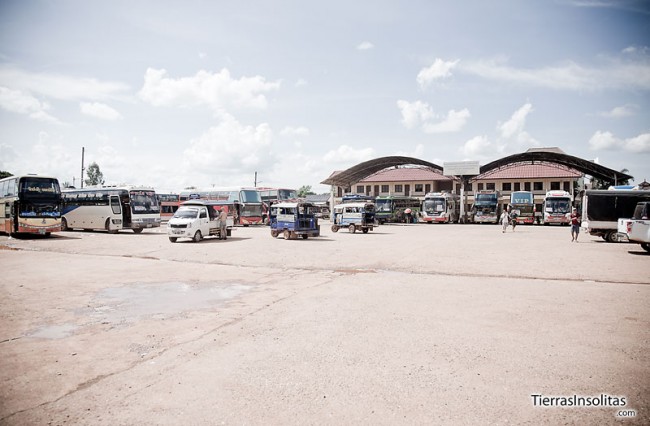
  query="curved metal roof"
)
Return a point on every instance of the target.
[
  {"x": 549, "y": 157},
  {"x": 367, "y": 168}
]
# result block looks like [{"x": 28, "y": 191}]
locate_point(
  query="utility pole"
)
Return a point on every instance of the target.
[
  {"x": 255, "y": 183},
  {"x": 82, "y": 166}
]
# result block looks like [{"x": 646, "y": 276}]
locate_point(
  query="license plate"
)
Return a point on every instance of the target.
[{"x": 177, "y": 231}]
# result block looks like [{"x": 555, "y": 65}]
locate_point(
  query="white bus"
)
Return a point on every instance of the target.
[
  {"x": 110, "y": 208},
  {"x": 557, "y": 207},
  {"x": 441, "y": 207},
  {"x": 30, "y": 204}
]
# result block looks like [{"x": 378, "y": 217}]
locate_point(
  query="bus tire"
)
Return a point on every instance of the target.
[
  {"x": 305, "y": 236},
  {"x": 352, "y": 229},
  {"x": 335, "y": 228},
  {"x": 274, "y": 233},
  {"x": 287, "y": 234},
  {"x": 137, "y": 230},
  {"x": 173, "y": 239},
  {"x": 197, "y": 237},
  {"x": 64, "y": 225},
  {"x": 646, "y": 247},
  {"x": 108, "y": 227}
]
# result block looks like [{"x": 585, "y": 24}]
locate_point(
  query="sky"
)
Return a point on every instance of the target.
[{"x": 173, "y": 94}]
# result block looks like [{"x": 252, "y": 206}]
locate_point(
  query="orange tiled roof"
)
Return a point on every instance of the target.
[
  {"x": 406, "y": 174},
  {"x": 531, "y": 171}
]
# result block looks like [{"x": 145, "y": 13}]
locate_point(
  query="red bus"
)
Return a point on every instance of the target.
[
  {"x": 168, "y": 205},
  {"x": 244, "y": 203}
]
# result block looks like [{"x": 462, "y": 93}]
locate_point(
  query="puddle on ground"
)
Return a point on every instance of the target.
[
  {"x": 54, "y": 331},
  {"x": 162, "y": 300}
]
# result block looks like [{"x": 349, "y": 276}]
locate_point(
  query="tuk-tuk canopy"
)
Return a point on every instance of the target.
[{"x": 361, "y": 206}]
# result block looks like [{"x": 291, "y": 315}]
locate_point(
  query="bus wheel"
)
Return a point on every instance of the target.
[
  {"x": 108, "y": 227},
  {"x": 64, "y": 225},
  {"x": 137, "y": 230},
  {"x": 352, "y": 228},
  {"x": 287, "y": 234},
  {"x": 646, "y": 247},
  {"x": 365, "y": 230},
  {"x": 305, "y": 236},
  {"x": 274, "y": 233},
  {"x": 173, "y": 239},
  {"x": 335, "y": 228},
  {"x": 197, "y": 237}
]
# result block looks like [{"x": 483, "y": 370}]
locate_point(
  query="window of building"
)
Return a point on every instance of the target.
[
  {"x": 398, "y": 188},
  {"x": 427, "y": 188},
  {"x": 517, "y": 186},
  {"x": 368, "y": 189},
  {"x": 339, "y": 192},
  {"x": 506, "y": 186},
  {"x": 468, "y": 187},
  {"x": 419, "y": 187},
  {"x": 479, "y": 187},
  {"x": 384, "y": 189},
  {"x": 526, "y": 186},
  {"x": 538, "y": 186},
  {"x": 359, "y": 189},
  {"x": 567, "y": 186},
  {"x": 490, "y": 186},
  {"x": 555, "y": 186}
]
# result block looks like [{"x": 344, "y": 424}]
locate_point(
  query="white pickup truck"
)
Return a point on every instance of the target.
[
  {"x": 638, "y": 228},
  {"x": 195, "y": 220}
]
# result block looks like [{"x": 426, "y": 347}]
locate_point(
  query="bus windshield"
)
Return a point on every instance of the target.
[
  {"x": 250, "y": 196},
  {"x": 435, "y": 205},
  {"x": 35, "y": 188},
  {"x": 558, "y": 206},
  {"x": 144, "y": 202},
  {"x": 485, "y": 199},
  {"x": 383, "y": 205},
  {"x": 287, "y": 194}
]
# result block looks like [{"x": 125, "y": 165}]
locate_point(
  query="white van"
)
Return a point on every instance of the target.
[{"x": 197, "y": 219}]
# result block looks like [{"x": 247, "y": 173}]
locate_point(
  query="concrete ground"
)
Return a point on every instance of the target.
[{"x": 417, "y": 324}]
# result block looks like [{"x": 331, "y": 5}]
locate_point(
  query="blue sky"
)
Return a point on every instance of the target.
[{"x": 202, "y": 93}]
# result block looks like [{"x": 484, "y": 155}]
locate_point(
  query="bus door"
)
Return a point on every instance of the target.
[{"x": 125, "y": 204}]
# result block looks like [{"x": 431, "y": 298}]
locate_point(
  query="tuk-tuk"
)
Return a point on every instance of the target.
[
  {"x": 293, "y": 220},
  {"x": 354, "y": 216}
]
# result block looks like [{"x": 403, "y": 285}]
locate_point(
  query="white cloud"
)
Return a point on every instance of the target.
[
  {"x": 453, "y": 122},
  {"x": 613, "y": 74},
  {"x": 517, "y": 122},
  {"x": 216, "y": 90},
  {"x": 413, "y": 113},
  {"x": 301, "y": 82},
  {"x": 619, "y": 112},
  {"x": 60, "y": 86},
  {"x": 294, "y": 131},
  {"x": 366, "y": 45},
  {"x": 438, "y": 70},
  {"x": 603, "y": 141},
  {"x": 478, "y": 147},
  {"x": 24, "y": 103},
  {"x": 346, "y": 155},
  {"x": 229, "y": 147},
  {"x": 418, "y": 152},
  {"x": 99, "y": 110}
]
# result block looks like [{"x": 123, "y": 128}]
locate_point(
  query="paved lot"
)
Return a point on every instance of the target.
[{"x": 419, "y": 324}]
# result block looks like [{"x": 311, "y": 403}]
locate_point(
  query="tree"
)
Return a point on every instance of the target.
[
  {"x": 95, "y": 176},
  {"x": 4, "y": 174},
  {"x": 597, "y": 183},
  {"x": 304, "y": 191}
]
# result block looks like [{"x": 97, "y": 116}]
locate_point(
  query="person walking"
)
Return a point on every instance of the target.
[
  {"x": 223, "y": 219},
  {"x": 575, "y": 225},
  {"x": 504, "y": 219}
]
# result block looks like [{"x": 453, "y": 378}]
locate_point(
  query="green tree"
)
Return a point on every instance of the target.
[
  {"x": 4, "y": 174},
  {"x": 304, "y": 191},
  {"x": 95, "y": 176},
  {"x": 597, "y": 183}
]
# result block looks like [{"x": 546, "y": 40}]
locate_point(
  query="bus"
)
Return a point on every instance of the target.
[
  {"x": 274, "y": 195},
  {"x": 30, "y": 204},
  {"x": 168, "y": 205},
  {"x": 441, "y": 207},
  {"x": 486, "y": 208},
  {"x": 110, "y": 208},
  {"x": 557, "y": 208},
  {"x": 245, "y": 203},
  {"x": 522, "y": 204},
  {"x": 393, "y": 208}
]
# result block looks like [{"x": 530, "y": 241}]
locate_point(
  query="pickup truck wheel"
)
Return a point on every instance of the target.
[
  {"x": 646, "y": 247},
  {"x": 365, "y": 230},
  {"x": 611, "y": 237},
  {"x": 173, "y": 239},
  {"x": 274, "y": 233},
  {"x": 197, "y": 237},
  {"x": 287, "y": 234},
  {"x": 352, "y": 229}
]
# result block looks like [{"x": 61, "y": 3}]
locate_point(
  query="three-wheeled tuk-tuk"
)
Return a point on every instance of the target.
[
  {"x": 354, "y": 216},
  {"x": 293, "y": 220}
]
